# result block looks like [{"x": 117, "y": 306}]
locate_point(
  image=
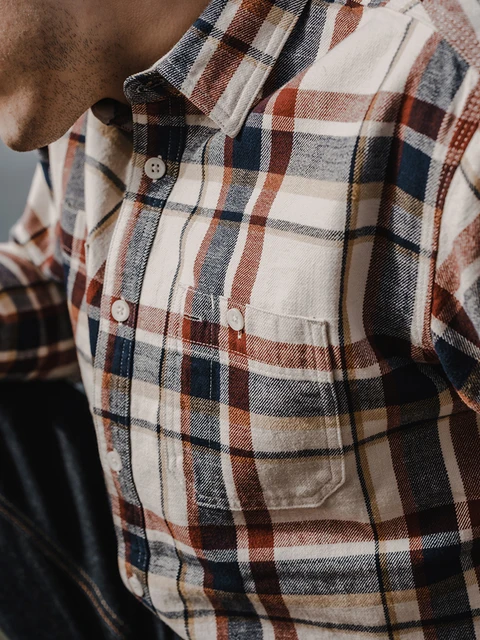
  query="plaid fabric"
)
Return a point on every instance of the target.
[{"x": 314, "y": 473}]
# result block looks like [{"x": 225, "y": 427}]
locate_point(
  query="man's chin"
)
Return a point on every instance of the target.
[
  {"x": 27, "y": 124},
  {"x": 27, "y": 138},
  {"x": 18, "y": 140},
  {"x": 20, "y": 144}
]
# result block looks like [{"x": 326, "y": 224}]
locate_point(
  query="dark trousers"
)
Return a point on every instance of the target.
[{"x": 58, "y": 566}]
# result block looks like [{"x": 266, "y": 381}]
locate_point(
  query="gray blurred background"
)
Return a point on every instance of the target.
[{"x": 16, "y": 172}]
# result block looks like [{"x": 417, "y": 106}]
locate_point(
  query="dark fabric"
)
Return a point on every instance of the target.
[{"x": 58, "y": 564}]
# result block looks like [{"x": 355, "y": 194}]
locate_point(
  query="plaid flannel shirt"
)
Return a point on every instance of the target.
[{"x": 267, "y": 268}]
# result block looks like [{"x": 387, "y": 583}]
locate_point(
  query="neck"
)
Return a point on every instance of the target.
[{"x": 140, "y": 33}]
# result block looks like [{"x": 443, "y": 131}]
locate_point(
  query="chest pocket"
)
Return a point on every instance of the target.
[{"x": 251, "y": 419}]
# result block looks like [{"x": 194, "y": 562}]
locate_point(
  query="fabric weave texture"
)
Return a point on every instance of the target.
[{"x": 315, "y": 474}]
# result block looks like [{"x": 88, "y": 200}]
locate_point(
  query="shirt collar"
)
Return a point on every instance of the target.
[{"x": 223, "y": 60}]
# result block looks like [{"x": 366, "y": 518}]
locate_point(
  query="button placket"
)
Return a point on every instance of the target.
[{"x": 120, "y": 310}]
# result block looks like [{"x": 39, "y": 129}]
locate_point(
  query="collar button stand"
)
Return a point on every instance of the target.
[{"x": 155, "y": 168}]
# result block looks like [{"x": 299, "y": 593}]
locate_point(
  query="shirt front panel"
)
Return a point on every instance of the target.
[{"x": 266, "y": 473}]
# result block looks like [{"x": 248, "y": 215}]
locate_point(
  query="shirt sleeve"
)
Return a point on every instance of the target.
[
  {"x": 35, "y": 332},
  {"x": 455, "y": 318}
]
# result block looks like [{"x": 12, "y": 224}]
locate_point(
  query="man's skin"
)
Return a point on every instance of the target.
[{"x": 59, "y": 57}]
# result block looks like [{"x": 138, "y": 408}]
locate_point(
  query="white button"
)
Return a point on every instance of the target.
[
  {"x": 235, "y": 319},
  {"x": 155, "y": 168},
  {"x": 120, "y": 310},
  {"x": 114, "y": 460},
  {"x": 136, "y": 586}
]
